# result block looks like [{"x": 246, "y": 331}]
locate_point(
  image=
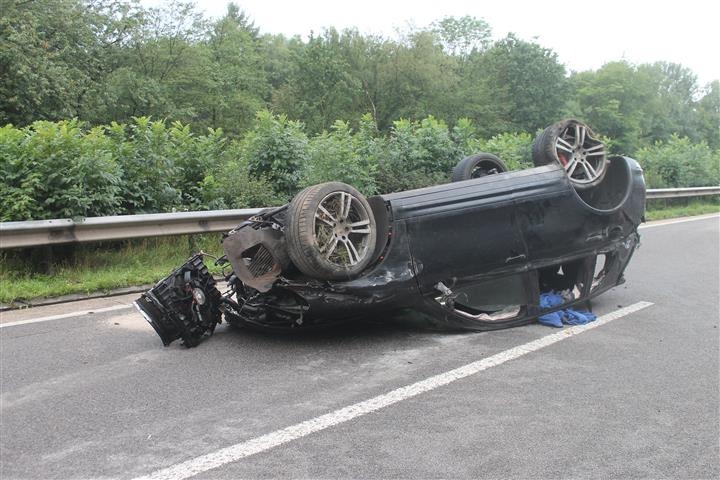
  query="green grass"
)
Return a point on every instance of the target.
[
  {"x": 107, "y": 266},
  {"x": 101, "y": 267},
  {"x": 664, "y": 209}
]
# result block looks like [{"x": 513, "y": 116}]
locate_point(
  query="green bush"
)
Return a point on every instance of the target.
[
  {"x": 513, "y": 148},
  {"x": 57, "y": 170},
  {"x": 341, "y": 156},
  {"x": 417, "y": 154},
  {"x": 195, "y": 157},
  {"x": 233, "y": 186},
  {"x": 276, "y": 149},
  {"x": 464, "y": 135},
  {"x": 64, "y": 170},
  {"x": 149, "y": 171},
  {"x": 679, "y": 162}
]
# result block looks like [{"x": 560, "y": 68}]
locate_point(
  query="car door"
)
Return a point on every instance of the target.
[{"x": 459, "y": 245}]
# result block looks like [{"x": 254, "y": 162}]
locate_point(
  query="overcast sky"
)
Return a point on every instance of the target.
[{"x": 585, "y": 34}]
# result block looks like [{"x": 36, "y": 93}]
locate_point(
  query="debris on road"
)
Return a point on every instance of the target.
[{"x": 566, "y": 316}]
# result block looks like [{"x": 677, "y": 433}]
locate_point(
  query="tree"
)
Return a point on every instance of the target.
[
  {"x": 320, "y": 89},
  {"x": 640, "y": 105},
  {"x": 157, "y": 63},
  {"x": 463, "y": 36},
  {"x": 527, "y": 80},
  {"x": 234, "y": 85},
  {"x": 415, "y": 79},
  {"x": 708, "y": 111},
  {"x": 363, "y": 57},
  {"x": 613, "y": 101},
  {"x": 673, "y": 89},
  {"x": 48, "y": 56}
]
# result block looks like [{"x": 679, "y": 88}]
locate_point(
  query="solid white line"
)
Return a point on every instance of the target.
[
  {"x": 65, "y": 315},
  {"x": 279, "y": 437},
  {"x": 662, "y": 223}
]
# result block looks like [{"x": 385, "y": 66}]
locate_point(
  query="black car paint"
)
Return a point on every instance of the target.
[{"x": 436, "y": 240}]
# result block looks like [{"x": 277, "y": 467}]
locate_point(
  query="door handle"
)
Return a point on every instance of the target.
[
  {"x": 595, "y": 237},
  {"x": 522, "y": 256}
]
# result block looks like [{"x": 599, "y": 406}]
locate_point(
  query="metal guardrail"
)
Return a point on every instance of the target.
[
  {"x": 682, "y": 192},
  {"x": 49, "y": 232}
]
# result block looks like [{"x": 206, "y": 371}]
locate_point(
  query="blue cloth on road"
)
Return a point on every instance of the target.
[
  {"x": 565, "y": 316},
  {"x": 573, "y": 317}
]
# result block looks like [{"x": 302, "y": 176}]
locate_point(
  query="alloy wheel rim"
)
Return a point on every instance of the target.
[
  {"x": 342, "y": 229},
  {"x": 582, "y": 156}
]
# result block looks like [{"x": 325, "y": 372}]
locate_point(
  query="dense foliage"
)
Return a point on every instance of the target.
[
  {"x": 69, "y": 169},
  {"x": 176, "y": 111}
]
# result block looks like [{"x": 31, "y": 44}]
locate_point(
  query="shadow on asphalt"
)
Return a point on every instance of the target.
[{"x": 351, "y": 335}]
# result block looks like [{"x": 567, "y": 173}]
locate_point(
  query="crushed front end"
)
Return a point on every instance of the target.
[
  {"x": 265, "y": 290},
  {"x": 188, "y": 305}
]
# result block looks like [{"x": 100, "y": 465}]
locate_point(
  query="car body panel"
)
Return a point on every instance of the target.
[{"x": 442, "y": 251}]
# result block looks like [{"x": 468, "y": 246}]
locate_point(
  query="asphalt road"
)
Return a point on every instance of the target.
[{"x": 96, "y": 395}]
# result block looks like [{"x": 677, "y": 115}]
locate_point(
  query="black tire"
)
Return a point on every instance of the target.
[
  {"x": 476, "y": 166},
  {"x": 330, "y": 231},
  {"x": 572, "y": 144}
]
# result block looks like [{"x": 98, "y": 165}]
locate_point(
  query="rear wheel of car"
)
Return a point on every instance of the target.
[
  {"x": 330, "y": 231},
  {"x": 476, "y": 166},
  {"x": 573, "y": 145}
]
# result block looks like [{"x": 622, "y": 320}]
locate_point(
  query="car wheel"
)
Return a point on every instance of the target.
[
  {"x": 476, "y": 166},
  {"x": 330, "y": 231},
  {"x": 573, "y": 145}
]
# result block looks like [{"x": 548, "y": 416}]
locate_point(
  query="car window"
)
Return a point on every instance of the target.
[{"x": 497, "y": 299}]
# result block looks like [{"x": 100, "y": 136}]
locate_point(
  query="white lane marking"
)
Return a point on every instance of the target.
[
  {"x": 662, "y": 223},
  {"x": 279, "y": 437},
  {"x": 65, "y": 315}
]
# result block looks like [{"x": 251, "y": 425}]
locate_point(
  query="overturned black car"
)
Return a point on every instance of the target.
[{"x": 472, "y": 254}]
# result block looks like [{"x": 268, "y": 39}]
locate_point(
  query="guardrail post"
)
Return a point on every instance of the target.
[
  {"x": 192, "y": 244},
  {"x": 45, "y": 260}
]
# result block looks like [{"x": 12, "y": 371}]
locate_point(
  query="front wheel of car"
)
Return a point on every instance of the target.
[
  {"x": 572, "y": 145},
  {"x": 331, "y": 231},
  {"x": 476, "y": 166}
]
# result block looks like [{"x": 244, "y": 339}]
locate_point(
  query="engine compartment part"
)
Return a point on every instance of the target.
[
  {"x": 183, "y": 305},
  {"x": 257, "y": 252}
]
